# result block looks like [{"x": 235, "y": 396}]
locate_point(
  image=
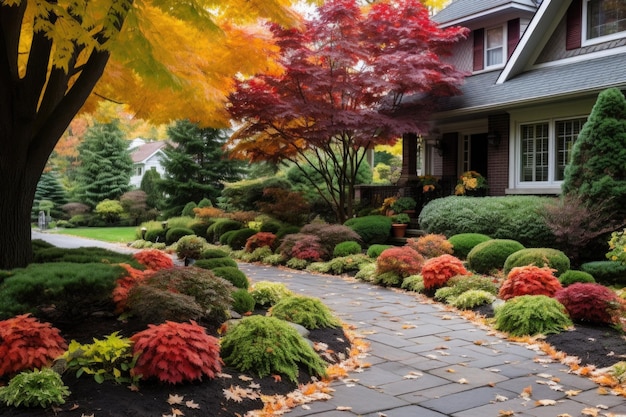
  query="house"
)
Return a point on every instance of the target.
[
  {"x": 145, "y": 156},
  {"x": 535, "y": 69}
]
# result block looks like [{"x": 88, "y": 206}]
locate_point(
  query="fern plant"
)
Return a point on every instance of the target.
[
  {"x": 437, "y": 271},
  {"x": 308, "y": 312},
  {"x": 176, "y": 352},
  {"x": 27, "y": 343},
  {"x": 529, "y": 280},
  {"x": 267, "y": 345},
  {"x": 37, "y": 388},
  {"x": 531, "y": 315},
  {"x": 109, "y": 359},
  {"x": 592, "y": 303},
  {"x": 266, "y": 293}
]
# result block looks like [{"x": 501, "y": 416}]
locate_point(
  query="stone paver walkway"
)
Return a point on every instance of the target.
[{"x": 425, "y": 361}]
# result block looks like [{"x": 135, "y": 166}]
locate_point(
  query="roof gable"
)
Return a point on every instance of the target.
[
  {"x": 144, "y": 152},
  {"x": 460, "y": 12}
]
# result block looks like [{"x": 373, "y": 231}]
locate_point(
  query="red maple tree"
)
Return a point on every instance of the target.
[{"x": 352, "y": 78}]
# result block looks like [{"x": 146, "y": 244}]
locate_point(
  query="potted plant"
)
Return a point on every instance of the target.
[
  {"x": 400, "y": 222},
  {"x": 404, "y": 204}
]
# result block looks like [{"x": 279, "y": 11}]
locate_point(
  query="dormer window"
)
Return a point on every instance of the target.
[
  {"x": 494, "y": 46},
  {"x": 604, "y": 20}
]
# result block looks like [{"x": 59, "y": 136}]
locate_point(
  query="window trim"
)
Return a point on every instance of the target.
[
  {"x": 505, "y": 42},
  {"x": 586, "y": 41}
]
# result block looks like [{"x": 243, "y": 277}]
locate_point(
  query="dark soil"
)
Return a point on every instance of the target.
[
  {"x": 110, "y": 400},
  {"x": 595, "y": 345}
]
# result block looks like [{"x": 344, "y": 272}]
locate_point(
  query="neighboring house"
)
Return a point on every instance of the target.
[
  {"x": 535, "y": 70},
  {"x": 145, "y": 156}
]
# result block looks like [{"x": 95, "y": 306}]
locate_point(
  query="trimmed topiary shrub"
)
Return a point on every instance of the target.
[
  {"x": 37, "y": 388},
  {"x": 267, "y": 345},
  {"x": 188, "y": 209},
  {"x": 221, "y": 226},
  {"x": 346, "y": 248},
  {"x": 529, "y": 280},
  {"x": 242, "y": 301},
  {"x": 591, "y": 303},
  {"x": 374, "y": 251},
  {"x": 572, "y": 276},
  {"x": 213, "y": 253},
  {"x": 83, "y": 256},
  {"x": 223, "y": 240},
  {"x": 267, "y": 293},
  {"x": 437, "y": 271},
  {"x": 510, "y": 217},
  {"x": 173, "y": 235},
  {"x": 308, "y": 312},
  {"x": 490, "y": 255},
  {"x": 430, "y": 245},
  {"x": 606, "y": 272},
  {"x": 402, "y": 261},
  {"x": 238, "y": 238},
  {"x": 213, "y": 263},
  {"x": 233, "y": 275},
  {"x": 330, "y": 235},
  {"x": 463, "y": 243},
  {"x": 529, "y": 315},
  {"x": 190, "y": 247},
  {"x": 199, "y": 227},
  {"x": 552, "y": 258},
  {"x": 372, "y": 229},
  {"x": 271, "y": 226},
  {"x": 260, "y": 240},
  {"x": 155, "y": 305}
]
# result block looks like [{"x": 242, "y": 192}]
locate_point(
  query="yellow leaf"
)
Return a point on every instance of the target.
[
  {"x": 545, "y": 403},
  {"x": 506, "y": 413},
  {"x": 175, "y": 399},
  {"x": 572, "y": 392},
  {"x": 590, "y": 411}
]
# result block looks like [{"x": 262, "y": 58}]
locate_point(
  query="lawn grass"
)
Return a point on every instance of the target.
[{"x": 106, "y": 234}]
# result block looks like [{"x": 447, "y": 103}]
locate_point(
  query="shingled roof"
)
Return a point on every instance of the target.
[
  {"x": 145, "y": 151},
  {"x": 460, "y": 10}
]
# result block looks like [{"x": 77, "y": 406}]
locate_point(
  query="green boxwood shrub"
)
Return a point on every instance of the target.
[
  {"x": 243, "y": 301},
  {"x": 308, "y": 312},
  {"x": 287, "y": 230},
  {"x": 233, "y": 275},
  {"x": 463, "y": 243},
  {"x": 511, "y": 217},
  {"x": 372, "y": 229},
  {"x": 529, "y": 315},
  {"x": 490, "y": 255},
  {"x": 213, "y": 253},
  {"x": 213, "y": 263},
  {"x": 84, "y": 255},
  {"x": 267, "y": 345},
  {"x": 200, "y": 227},
  {"x": 225, "y": 237},
  {"x": 414, "y": 283},
  {"x": 573, "y": 276},
  {"x": 221, "y": 226},
  {"x": 271, "y": 226},
  {"x": 552, "y": 258},
  {"x": 188, "y": 209},
  {"x": 173, "y": 235},
  {"x": 463, "y": 283},
  {"x": 237, "y": 239},
  {"x": 156, "y": 235},
  {"x": 606, "y": 272},
  {"x": 375, "y": 250},
  {"x": 346, "y": 248}
]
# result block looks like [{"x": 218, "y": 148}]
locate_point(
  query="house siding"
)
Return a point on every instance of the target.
[{"x": 497, "y": 162}]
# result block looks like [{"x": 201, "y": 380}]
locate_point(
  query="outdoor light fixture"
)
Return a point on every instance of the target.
[
  {"x": 493, "y": 139},
  {"x": 441, "y": 147}
]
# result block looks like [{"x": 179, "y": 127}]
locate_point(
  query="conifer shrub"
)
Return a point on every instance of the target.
[
  {"x": 154, "y": 259},
  {"x": 388, "y": 279},
  {"x": 403, "y": 261},
  {"x": 472, "y": 298},
  {"x": 431, "y": 245},
  {"x": 552, "y": 258},
  {"x": 233, "y": 275},
  {"x": 437, "y": 271},
  {"x": 330, "y": 235},
  {"x": 221, "y": 226},
  {"x": 414, "y": 283},
  {"x": 346, "y": 248},
  {"x": 529, "y": 280},
  {"x": 529, "y": 315},
  {"x": 213, "y": 263},
  {"x": 367, "y": 272},
  {"x": 213, "y": 253},
  {"x": 591, "y": 303},
  {"x": 375, "y": 250},
  {"x": 83, "y": 255},
  {"x": 297, "y": 263},
  {"x": 271, "y": 226},
  {"x": 238, "y": 239},
  {"x": 199, "y": 227},
  {"x": 606, "y": 272},
  {"x": 266, "y": 293},
  {"x": 223, "y": 240},
  {"x": 155, "y": 305},
  {"x": 188, "y": 209},
  {"x": 35, "y": 388},
  {"x": 491, "y": 255},
  {"x": 28, "y": 343},
  {"x": 346, "y": 264},
  {"x": 462, "y": 283},
  {"x": 242, "y": 301},
  {"x": 308, "y": 312},
  {"x": 463, "y": 243},
  {"x": 174, "y": 234},
  {"x": 156, "y": 235},
  {"x": 267, "y": 345},
  {"x": 259, "y": 240},
  {"x": 67, "y": 290},
  {"x": 373, "y": 229},
  {"x": 572, "y": 276},
  {"x": 257, "y": 255},
  {"x": 190, "y": 247},
  {"x": 176, "y": 352}
]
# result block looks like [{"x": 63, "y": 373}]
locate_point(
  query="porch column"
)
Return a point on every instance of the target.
[{"x": 409, "y": 159}]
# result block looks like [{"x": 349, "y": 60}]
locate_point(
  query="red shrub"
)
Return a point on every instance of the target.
[
  {"x": 437, "y": 271},
  {"x": 309, "y": 248},
  {"x": 176, "y": 352},
  {"x": 27, "y": 343},
  {"x": 590, "y": 302},
  {"x": 403, "y": 261},
  {"x": 529, "y": 280},
  {"x": 259, "y": 240},
  {"x": 126, "y": 283},
  {"x": 431, "y": 245},
  {"x": 154, "y": 259}
]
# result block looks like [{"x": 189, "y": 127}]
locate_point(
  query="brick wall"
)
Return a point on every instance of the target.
[{"x": 498, "y": 157}]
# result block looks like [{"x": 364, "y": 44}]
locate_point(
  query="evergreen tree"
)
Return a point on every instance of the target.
[
  {"x": 150, "y": 186},
  {"x": 196, "y": 167},
  {"x": 597, "y": 171},
  {"x": 105, "y": 165},
  {"x": 49, "y": 189}
]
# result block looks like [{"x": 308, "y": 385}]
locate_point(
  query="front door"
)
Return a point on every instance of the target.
[{"x": 474, "y": 153}]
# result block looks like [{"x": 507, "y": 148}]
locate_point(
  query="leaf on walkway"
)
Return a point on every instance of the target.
[
  {"x": 590, "y": 411},
  {"x": 342, "y": 408},
  {"x": 506, "y": 413},
  {"x": 545, "y": 403},
  {"x": 463, "y": 381},
  {"x": 527, "y": 392},
  {"x": 573, "y": 392},
  {"x": 501, "y": 398}
]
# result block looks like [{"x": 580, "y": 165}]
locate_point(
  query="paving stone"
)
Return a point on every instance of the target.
[
  {"x": 540, "y": 391},
  {"x": 365, "y": 400},
  {"x": 408, "y": 411},
  {"x": 421, "y": 382},
  {"x": 453, "y": 403},
  {"x": 474, "y": 377}
]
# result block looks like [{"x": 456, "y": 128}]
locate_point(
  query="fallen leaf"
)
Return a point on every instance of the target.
[
  {"x": 451, "y": 371},
  {"x": 573, "y": 392},
  {"x": 245, "y": 378},
  {"x": 590, "y": 411},
  {"x": 463, "y": 381},
  {"x": 545, "y": 403},
  {"x": 342, "y": 408},
  {"x": 409, "y": 326},
  {"x": 86, "y": 415},
  {"x": 501, "y": 398},
  {"x": 527, "y": 392},
  {"x": 413, "y": 375},
  {"x": 506, "y": 413},
  {"x": 177, "y": 412},
  {"x": 277, "y": 378},
  {"x": 175, "y": 399},
  {"x": 192, "y": 404},
  {"x": 564, "y": 415}
]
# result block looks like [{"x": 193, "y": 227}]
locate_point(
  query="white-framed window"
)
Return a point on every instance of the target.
[
  {"x": 138, "y": 171},
  {"x": 603, "y": 20},
  {"x": 545, "y": 149},
  {"x": 495, "y": 46}
]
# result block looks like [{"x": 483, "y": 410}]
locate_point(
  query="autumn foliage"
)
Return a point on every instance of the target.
[
  {"x": 27, "y": 343},
  {"x": 154, "y": 259},
  {"x": 402, "y": 261},
  {"x": 260, "y": 240},
  {"x": 437, "y": 271},
  {"x": 590, "y": 302},
  {"x": 176, "y": 352},
  {"x": 431, "y": 245},
  {"x": 125, "y": 283},
  {"x": 529, "y": 280}
]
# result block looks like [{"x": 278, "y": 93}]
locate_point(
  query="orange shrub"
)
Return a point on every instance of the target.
[
  {"x": 124, "y": 284},
  {"x": 437, "y": 271},
  {"x": 402, "y": 261},
  {"x": 209, "y": 212},
  {"x": 431, "y": 245},
  {"x": 154, "y": 259},
  {"x": 529, "y": 280}
]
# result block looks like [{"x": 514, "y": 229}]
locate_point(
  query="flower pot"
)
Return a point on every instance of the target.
[{"x": 399, "y": 229}]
